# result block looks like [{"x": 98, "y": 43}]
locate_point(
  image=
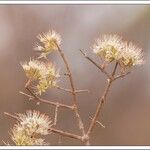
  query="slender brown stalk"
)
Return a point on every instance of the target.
[
  {"x": 101, "y": 100},
  {"x": 12, "y": 116},
  {"x": 98, "y": 122},
  {"x": 64, "y": 133},
  {"x": 56, "y": 114},
  {"x": 80, "y": 123},
  {"x": 97, "y": 65},
  {"x": 70, "y": 91},
  {"x": 121, "y": 76},
  {"x": 36, "y": 98}
]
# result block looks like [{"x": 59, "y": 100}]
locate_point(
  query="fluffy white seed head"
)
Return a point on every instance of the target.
[
  {"x": 45, "y": 74},
  {"x": 108, "y": 47},
  {"x": 35, "y": 122},
  {"x": 49, "y": 42},
  {"x": 29, "y": 126},
  {"x": 21, "y": 138},
  {"x": 33, "y": 69},
  {"x": 131, "y": 55}
]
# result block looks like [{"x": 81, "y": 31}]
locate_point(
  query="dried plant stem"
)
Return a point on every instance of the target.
[
  {"x": 80, "y": 123},
  {"x": 12, "y": 116},
  {"x": 121, "y": 76},
  {"x": 97, "y": 65},
  {"x": 56, "y": 114},
  {"x": 64, "y": 89},
  {"x": 102, "y": 100},
  {"x": 36, "y": 98},
  {"x": 67, "y": 134},
  {"x": 70, "y": 91},
  {"x": 98, "y": 123}
]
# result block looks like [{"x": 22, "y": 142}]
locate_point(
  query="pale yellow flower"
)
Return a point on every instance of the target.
[
  {"x": 20, "y": 137},
  {"x": 131, "y": 55},
  {"x": 49, "y": 42},
  {"x": 49, "y": 78},
  {"x": 30, "y": 125},
  {"x": 108, "y": 47},
  {"x": 36, "y": 123},
  {"x": 33, "y": 69},
  {"x": 44, "y": 73}
]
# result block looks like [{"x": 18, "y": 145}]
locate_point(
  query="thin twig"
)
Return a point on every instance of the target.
[
  {"x": 99, "y": 123},
  {"x": 80, "y": 91},
  {"x": 101, "y": 100},
  {"x": 12, "y": 116},
  {"x": 121, "y": 76},
  {"x": 36, "y": 98},
  {"x": 97, "y": 65},
  {"x": 80, "y": 123},
  {"x": 56, "y": 114},
  {"x": 114, "y": 70},
  {"x": 63, "y": 89},
  {"x": 70, "y": 91},
  {"x": 64, "y": 133}
]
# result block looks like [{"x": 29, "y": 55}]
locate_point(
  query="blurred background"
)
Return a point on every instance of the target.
[{"x": 126, "y": 113}]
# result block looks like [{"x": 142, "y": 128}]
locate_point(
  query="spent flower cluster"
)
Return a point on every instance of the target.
[
  {"x": 49, "y": 42},
  {"x": 42, "y": 74},
  {"x": 114, "y": 48},
  {"x": 29, "y": 127}
]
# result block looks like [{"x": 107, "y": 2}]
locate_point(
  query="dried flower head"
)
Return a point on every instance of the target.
[
  {"x": 33, "y": 69},
  {"x": 48, "y": 79},
  {"x": 131, "y": 55},
  {"x": 108, "y": 47},
  {"x": 21, "y": 138},
  {"x": 44, "y": 73},
  {"x": 49, "y": 42},
  {"x": 29, "y": 126},
  {"x": 34, "y": 122}
]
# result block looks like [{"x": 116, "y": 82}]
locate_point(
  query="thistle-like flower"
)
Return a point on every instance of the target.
[
  {"x": 131, "y": 55},
  {"x": 34, "y": 122},
  {"x": 20, "y": 138},
  {"x": 48, "y": 79},
  {"x": 44, "y": 73},
  {"x": 33, "y": 69},
  {"x": 29, "y": 126},
  {"x": 49, "y": 42},
  {"x": 108, "y": 47}
]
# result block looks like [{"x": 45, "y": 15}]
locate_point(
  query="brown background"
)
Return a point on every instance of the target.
[{"x": 126, "y": 114}]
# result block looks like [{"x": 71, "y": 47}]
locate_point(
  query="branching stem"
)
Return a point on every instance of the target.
[
  {"x": 38, "y": 99},
  {"x": 80, "y": 123},
  {"x": 102, "y": 100}
]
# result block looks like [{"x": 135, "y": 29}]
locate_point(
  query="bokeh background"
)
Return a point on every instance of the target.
[{"x": 126, "y": 114}]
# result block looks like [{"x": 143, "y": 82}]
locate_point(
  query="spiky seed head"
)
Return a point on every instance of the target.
[
  {"x": 108, "y": 47},
  {"x": 45, "y": 74},
  {"x": 35, "y": 122},
  {"x": 28, "y": 127},
  {"x": 20, "y": 138},
  {"x": 33, "y": 69},
  {"x": 131, "y": 55},
  {"x": 49, "y": 42}
]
